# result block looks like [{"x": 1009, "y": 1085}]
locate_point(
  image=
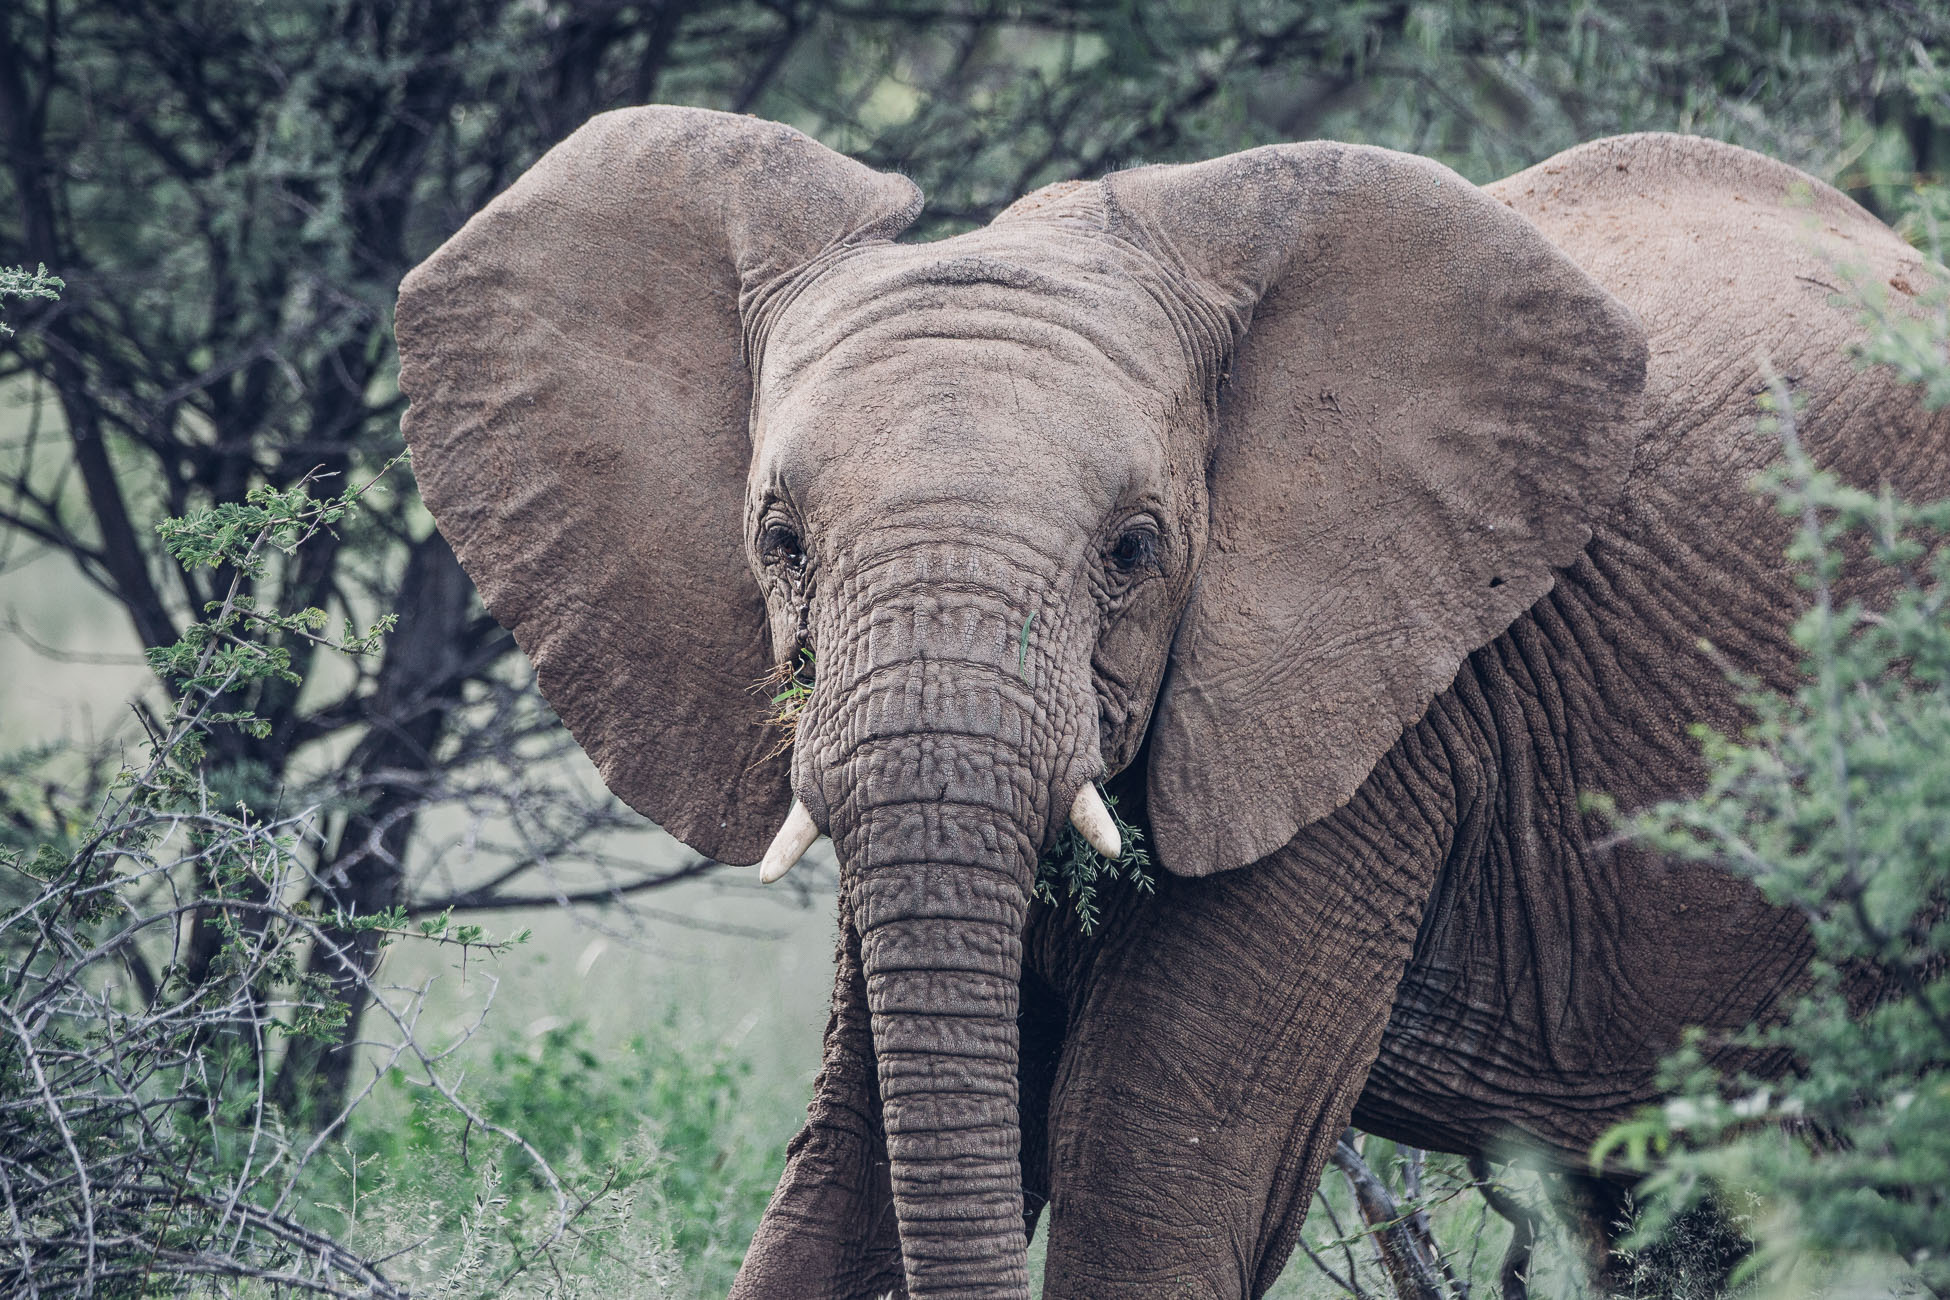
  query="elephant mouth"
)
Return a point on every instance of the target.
[{"x": 1089, "y": 815}]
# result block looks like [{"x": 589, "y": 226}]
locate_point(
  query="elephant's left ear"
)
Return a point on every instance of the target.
[{"x": 1426, "y": 404}]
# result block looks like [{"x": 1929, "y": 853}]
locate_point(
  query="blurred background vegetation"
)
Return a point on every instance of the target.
[{"x": 230, "y": 191}]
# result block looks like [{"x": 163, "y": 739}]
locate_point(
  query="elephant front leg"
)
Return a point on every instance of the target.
[
  {"x": 829, "y": 1232},
  {"x": 1215, "y": 1054}
]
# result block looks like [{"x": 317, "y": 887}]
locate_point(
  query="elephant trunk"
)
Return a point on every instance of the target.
[
  {"x": 940, "y": 785},
  {"x": 941, "y": 947}
]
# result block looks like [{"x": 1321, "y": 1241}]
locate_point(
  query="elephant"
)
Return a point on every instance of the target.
[{"x": 1345, "y": 521}]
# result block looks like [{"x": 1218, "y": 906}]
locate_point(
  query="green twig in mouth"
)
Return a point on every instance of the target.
[{"x": 1072, "y": 869}]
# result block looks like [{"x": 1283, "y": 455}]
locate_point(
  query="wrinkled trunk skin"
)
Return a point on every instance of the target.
[
  {"x": 933, "y": 763},
  {"x": 937, "y": 831},
  {"x": 943, "y": 952}
]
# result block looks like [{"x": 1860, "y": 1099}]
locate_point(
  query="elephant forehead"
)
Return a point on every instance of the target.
[
  {"x": 1062, "y": 310},
  {"x": 961, "y": 419}
]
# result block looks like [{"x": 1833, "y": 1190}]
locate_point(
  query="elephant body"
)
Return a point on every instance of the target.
[
  {"x": 1191, "y": 1061},
  {"x": 1458, "y": 556}
]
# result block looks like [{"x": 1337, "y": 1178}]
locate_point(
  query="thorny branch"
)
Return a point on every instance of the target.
[{"x": 139, "y": 1138}]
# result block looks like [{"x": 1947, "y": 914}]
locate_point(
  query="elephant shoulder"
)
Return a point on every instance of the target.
[
  {"x": 1680, "y": 226},
  {"x": 1667, "y": 180},
  {"x": 1731, "y": 258}
]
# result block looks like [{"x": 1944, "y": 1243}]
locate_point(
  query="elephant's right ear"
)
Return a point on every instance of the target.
[{"x": 575, "y": 359}]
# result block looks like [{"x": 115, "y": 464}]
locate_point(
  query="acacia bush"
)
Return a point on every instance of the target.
[{"x": 140, "y": 1146}]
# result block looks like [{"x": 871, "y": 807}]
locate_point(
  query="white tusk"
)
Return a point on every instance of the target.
[
  {"x": 1093, "y": 822},
  {"x": 789, "y": 845}
]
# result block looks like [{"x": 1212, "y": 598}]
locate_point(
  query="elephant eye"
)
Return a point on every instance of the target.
[
  {"x": 780, "y": 544},
  {"x": 1134, "y": 548}
]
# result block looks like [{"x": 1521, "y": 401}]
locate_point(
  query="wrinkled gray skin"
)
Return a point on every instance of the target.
[{"x": 1345, "y": 518}]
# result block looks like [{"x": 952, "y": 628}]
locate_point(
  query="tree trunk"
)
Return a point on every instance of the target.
[{"x": 1412, "y": 1276}]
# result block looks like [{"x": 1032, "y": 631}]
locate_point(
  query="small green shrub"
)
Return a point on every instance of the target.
[
  {"x": 153, "y": 969},
  {"x": 655, "y": 1137}
]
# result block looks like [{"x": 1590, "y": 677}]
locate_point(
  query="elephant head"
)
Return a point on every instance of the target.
[{"x": 1227, "y": 464}]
